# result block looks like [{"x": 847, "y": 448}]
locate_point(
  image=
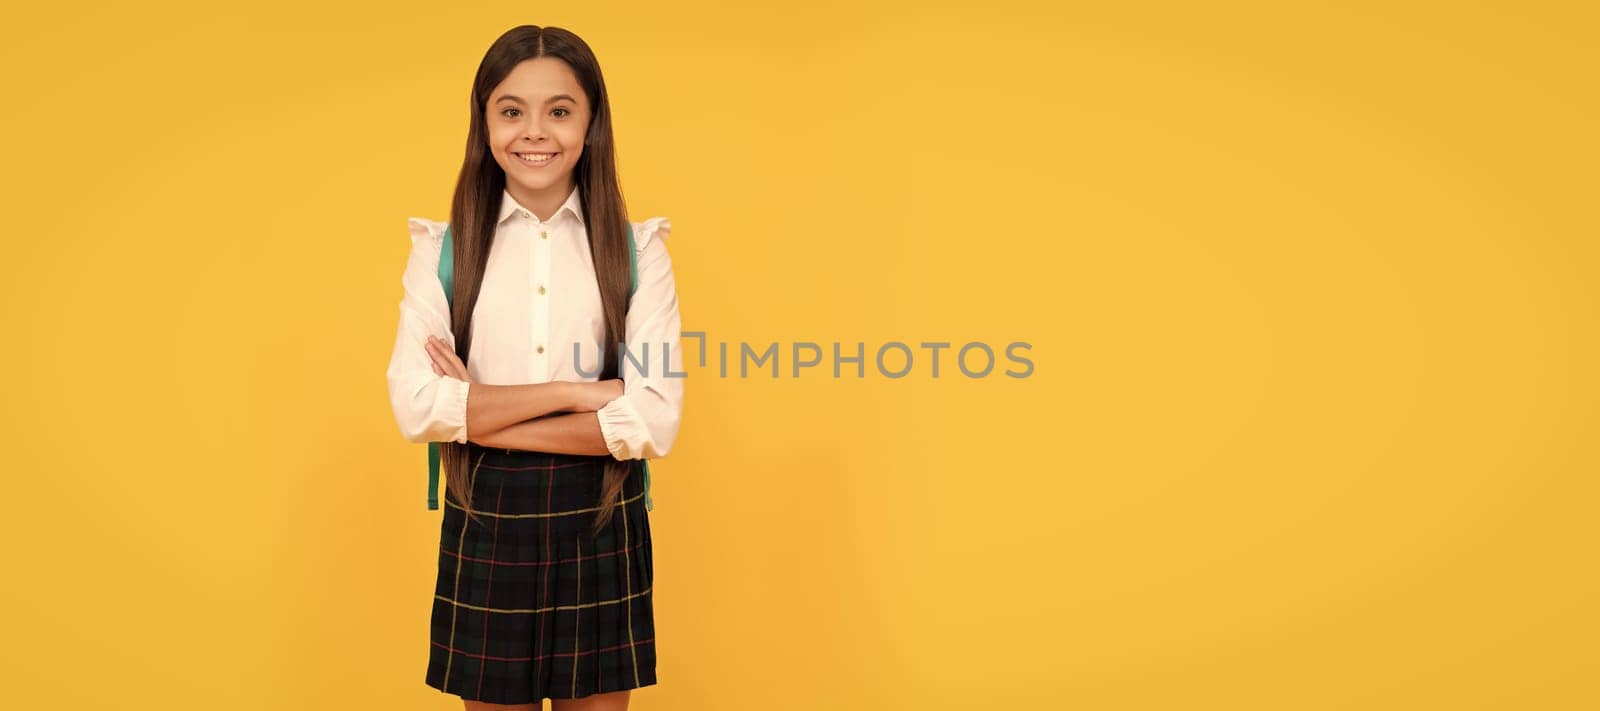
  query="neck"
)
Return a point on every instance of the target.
[{"x": 542, "y": 203}]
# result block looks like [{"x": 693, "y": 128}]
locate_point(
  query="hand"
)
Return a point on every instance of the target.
[
  {"x": 445, "y": 360},
  {"x": 593, "y": 395}
]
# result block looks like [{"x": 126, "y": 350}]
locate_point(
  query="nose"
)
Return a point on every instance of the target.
[{"x": 534, "y": 133}]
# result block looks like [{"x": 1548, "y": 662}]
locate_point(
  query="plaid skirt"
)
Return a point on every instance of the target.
[{"x": 529, "y": 604}]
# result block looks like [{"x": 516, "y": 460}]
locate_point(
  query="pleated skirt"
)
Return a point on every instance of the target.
[{"x": 528, "y": 603}]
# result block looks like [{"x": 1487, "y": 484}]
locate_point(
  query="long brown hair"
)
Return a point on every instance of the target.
[{"x": 477, "y": 203}]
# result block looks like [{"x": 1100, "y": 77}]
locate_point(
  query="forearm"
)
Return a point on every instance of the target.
[
  {"x": 568, "y": 433},
  {"x": 491, "y": 408}
]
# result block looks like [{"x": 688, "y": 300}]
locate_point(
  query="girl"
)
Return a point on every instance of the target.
[{"x": 544, "y": 579}]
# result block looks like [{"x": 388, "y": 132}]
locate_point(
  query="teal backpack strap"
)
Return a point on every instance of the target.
[
  {"x": 633, "y": 264},
  {"x": 633, "y": 286},
  {"x": 447, "y": 278}
]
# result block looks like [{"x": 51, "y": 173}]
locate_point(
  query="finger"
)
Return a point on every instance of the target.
[
  {"x": 445, "y": 359},
  {"x": 443, "y": 365},
  {"x": 457, "y": 366},
  {"x": 438, "y": 350},
  {"x": 449, "y": 363}
]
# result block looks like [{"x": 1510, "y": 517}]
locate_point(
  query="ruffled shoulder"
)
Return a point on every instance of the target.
[
  {"x": 422, "y": 227},
  {"x": 653, "y": 228}
]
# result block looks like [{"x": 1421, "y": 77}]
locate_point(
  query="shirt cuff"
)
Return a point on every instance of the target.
[
  {"x": 624, "y": 430},
  {"x": 456, "y": 400}
]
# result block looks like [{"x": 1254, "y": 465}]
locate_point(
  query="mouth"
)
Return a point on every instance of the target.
[{"x": 536, "y": 160}]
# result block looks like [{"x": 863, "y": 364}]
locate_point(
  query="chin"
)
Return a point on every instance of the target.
[{"x": 533, "y": 185}]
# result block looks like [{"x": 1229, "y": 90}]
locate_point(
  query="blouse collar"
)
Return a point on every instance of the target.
[{"x": 509, "y": 206}]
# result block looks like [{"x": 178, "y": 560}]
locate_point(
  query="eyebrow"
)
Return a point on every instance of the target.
[{"x": 551, "y": 100}]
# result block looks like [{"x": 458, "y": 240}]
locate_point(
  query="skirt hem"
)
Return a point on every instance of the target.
[{"x": 604, "y": 689}]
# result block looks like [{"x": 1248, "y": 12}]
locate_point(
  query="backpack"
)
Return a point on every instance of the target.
[{"x": 447, "y": 278}]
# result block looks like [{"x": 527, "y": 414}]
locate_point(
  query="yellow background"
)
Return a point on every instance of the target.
[{"x": 1310, "y": 295}]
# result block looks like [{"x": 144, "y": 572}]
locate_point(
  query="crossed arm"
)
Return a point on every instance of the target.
[{"x": 557, "y": 416}]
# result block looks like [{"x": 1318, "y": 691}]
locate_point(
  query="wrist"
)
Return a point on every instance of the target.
[{"x": 568, "y": 394}]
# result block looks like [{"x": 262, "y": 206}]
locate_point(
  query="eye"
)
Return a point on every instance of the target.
[
  {"x": 507, "y": 115},
  {"x": 562, "y": 110}
]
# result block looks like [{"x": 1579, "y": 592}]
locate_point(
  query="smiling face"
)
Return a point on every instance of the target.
[{"x": 537, "y": 119}]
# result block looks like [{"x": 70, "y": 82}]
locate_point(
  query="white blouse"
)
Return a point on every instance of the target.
[{"x": 539, "y": 297}]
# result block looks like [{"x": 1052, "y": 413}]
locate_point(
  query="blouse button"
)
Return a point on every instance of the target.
[
  {"x": 540, "y": 349},
  {"x": 541, "y": 288},
  {"x": 544, "y": 235},
  {"x": 525, "y": 214}
]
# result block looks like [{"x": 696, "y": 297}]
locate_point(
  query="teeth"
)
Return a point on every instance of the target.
[{"x": 536, "y": 157}]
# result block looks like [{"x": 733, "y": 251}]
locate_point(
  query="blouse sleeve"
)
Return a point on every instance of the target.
[
  {"x": 643, "y": 422},
  {"x": 427, "y": 406}
]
